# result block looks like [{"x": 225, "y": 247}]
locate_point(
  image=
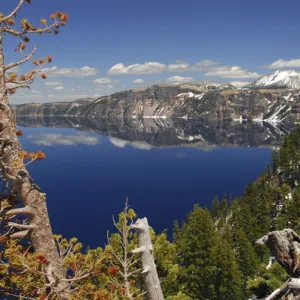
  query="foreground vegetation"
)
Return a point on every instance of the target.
[{"x": 213, "y": 254}]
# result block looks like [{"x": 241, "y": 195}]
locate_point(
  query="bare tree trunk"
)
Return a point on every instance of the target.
[
  {"x": 151, "y": 280},
  {"x": 39, "y": 231},
  {"x": 284, "y": 245}
]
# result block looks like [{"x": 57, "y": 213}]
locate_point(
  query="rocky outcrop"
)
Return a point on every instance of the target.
[
  {"x": 187, "y": 101},
  {"x": 280, "y": 79}
]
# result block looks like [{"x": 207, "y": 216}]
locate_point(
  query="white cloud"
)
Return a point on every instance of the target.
[
  {"x": 135, "y": 144},
  {"x": 146, "y": 68},
  {"x": 178, "y": 79},
  {"x": 103, "y": 87},
  {"x": 70, "y": 72},
  {"x": 239, "y": 84},
  {"x": 205, "y": 63},
  {"x": 105, "y": 80},
  {"x": 232, "y": 72},
  {"x": 178, "y": 67},
  {"x": 138, "y": 81},
  {"x": 51, "y": 83},
  {"x": 59, "y": 88},
  {"x": 281, "y": 63},
  {"x": 99, "y": 88},
  {"x": 51, "y": 139},
  {"x": 157, "y": 67},
  {"x": 76, "y": 97},
  {"x": 36, "y": 92}
]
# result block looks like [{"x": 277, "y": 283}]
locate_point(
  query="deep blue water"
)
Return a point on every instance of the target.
[{"x": 88, "y": 175}]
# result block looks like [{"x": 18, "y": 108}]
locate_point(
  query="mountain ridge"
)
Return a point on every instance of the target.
[
  {"x": 208, "y": 100},
  {"x": 280, "y": 79}
]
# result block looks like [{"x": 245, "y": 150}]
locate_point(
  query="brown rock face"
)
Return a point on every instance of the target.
[{"x": 179, "y": 101}]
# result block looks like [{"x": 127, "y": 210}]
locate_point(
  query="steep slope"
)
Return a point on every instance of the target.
[
  {"x": 187, "y": 101},
  {"x": 287, "y": 79}
]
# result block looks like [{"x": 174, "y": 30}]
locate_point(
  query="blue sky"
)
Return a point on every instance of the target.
[{"x": 109, "y": 44}]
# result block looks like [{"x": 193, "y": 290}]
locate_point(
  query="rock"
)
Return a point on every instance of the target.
[
  {"x": 285, "y": 247},
  {"x": 187, "y": 101}
]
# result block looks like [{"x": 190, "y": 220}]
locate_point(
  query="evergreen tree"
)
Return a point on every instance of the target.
[
  {"x": 245, "y": 254},
  {"x": 215, "y": 207},
  {"x": 224, "y": 206},
  {"x": 266, "y": 281},
  {"x": 228, "y": 281},
  {"x": 293, "y": 210},
  {"x": 197, "y": 246}
]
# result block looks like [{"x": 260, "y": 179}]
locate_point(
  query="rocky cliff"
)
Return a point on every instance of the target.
[{"x": 188, "y": 101}]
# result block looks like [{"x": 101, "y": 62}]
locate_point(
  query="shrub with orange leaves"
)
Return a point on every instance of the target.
[
  {"x": 44, "y": 76},
  {"x": 26, "y": 39},
  {"x": 10, "y": 21},
  {"x": 12, "y": 76},
  {"x": 43, "y": 296},
  {"x": 41, "y": 258},
  {"x": 29, "y": 76},
  {"x": 11, "y": 91},
  {"x": 19, "y": 133},
  {"x": 44, "y": 22},
  {"x": 40, "y": 155},
  {"x": 113, "y": 270}
]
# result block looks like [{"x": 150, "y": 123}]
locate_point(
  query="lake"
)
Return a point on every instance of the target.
[{"x": 164, "y": 167}]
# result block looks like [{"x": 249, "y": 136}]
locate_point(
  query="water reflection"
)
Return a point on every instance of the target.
[
  {"x": 147, "y": 133},
  {"x": 92, "y": 165}
]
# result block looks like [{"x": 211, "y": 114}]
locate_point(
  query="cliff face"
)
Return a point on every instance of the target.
[{"x": 179, "y": 101}]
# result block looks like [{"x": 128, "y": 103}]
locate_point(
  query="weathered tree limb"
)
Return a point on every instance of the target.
[
  {"x": 284, "y": 245},
  {"x": 33, "y": 199},
  {"x": 21, "y": 2},
  {"x": 27, "y": 58},
  {"x": 151, "y": 280}
]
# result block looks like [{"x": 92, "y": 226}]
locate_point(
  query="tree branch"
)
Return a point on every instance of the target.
[
  {"x": 42, "y": 29},
  {"x": 21, "y": 226},
  {"x": 11, "y": 31},
  {"x": 21, "y": 61},
  {"x": 23, "y": 210},
  {"x": 19, "y": 235},
  {"x": 13, "y": 12}
]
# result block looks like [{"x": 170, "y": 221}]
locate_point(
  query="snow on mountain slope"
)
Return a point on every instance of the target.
[{"x": 280, "y": 79}]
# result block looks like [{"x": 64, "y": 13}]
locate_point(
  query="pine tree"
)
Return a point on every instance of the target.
[
  {"x": 215, "y": 207},
  {"x": 224, "y": 206},
  {"x": 229, "y": 282},
  {"x": 293, "y": 210},
  {"x": 245, "y": 254},
  {"x": 197, "y": 246}
]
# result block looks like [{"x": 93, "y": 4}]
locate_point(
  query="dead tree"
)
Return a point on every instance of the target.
[
  {"x": 12, "y": 165},
  {"x": 284, "y": 245},
  {"x": 150, "y": 276}
]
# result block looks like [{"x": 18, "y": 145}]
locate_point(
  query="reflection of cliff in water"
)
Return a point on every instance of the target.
[{"x": 170, "y": 132}]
